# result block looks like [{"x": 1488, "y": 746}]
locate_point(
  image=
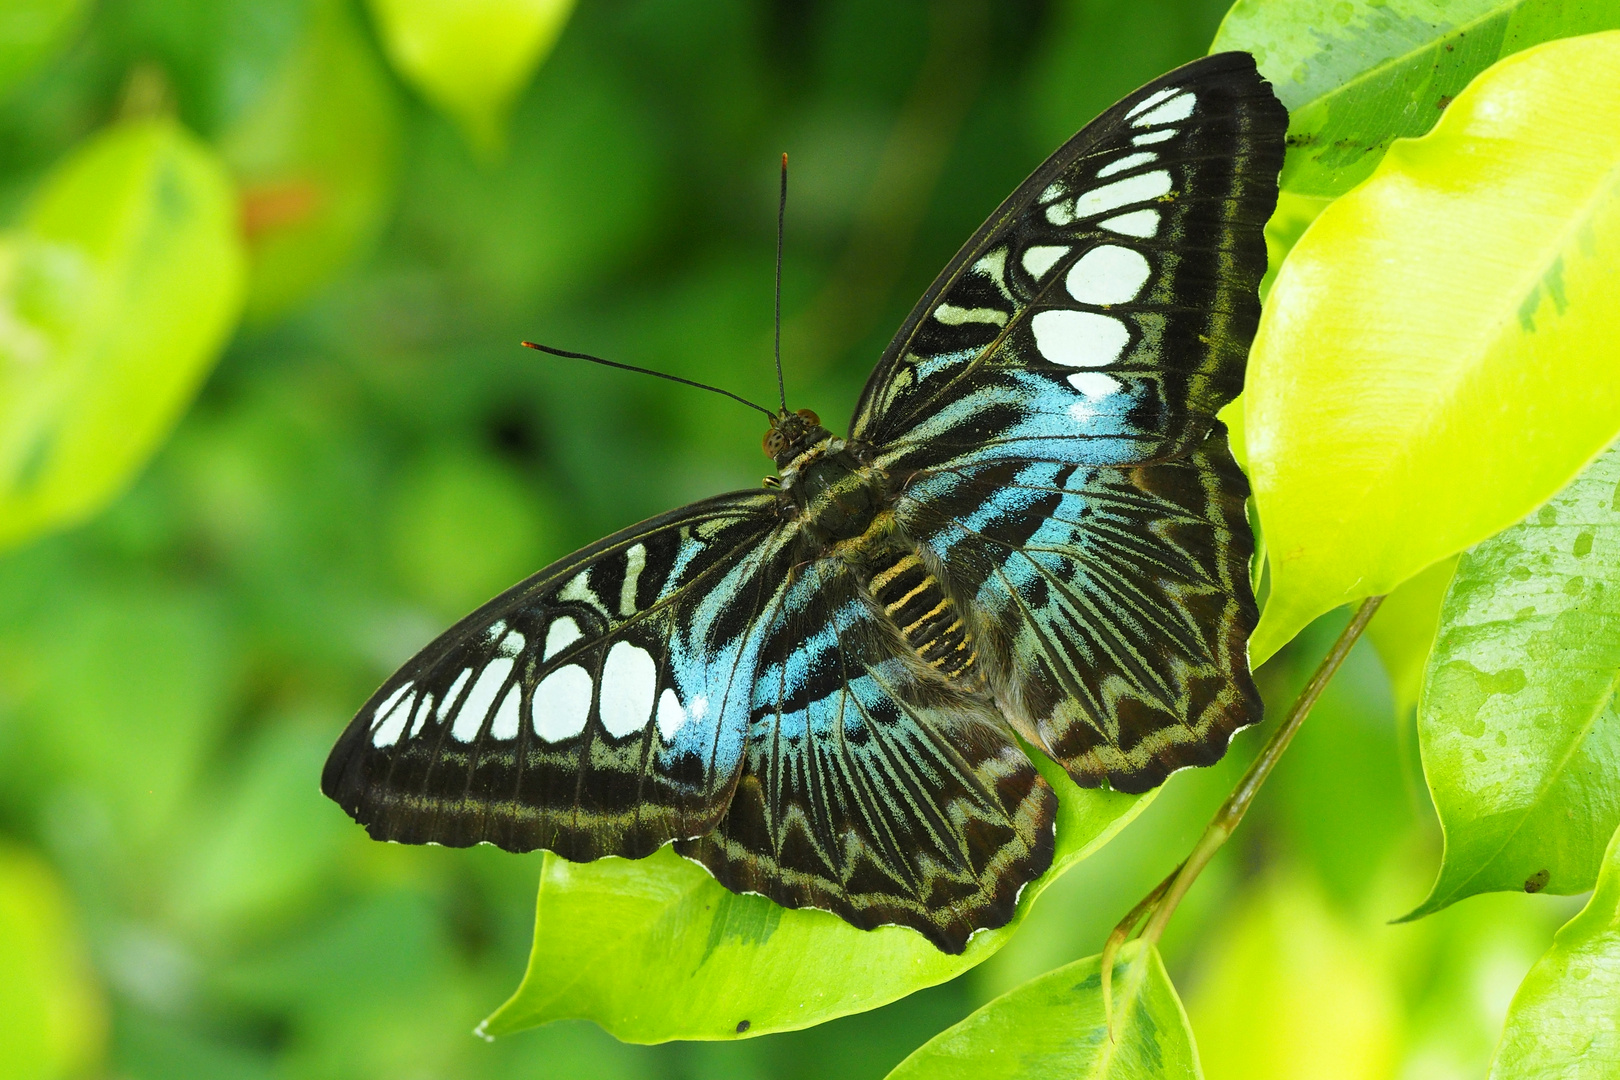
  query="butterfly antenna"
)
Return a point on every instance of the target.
[
  {"x": 645, "y": 371},
  {"x": 781, "y": 221}
]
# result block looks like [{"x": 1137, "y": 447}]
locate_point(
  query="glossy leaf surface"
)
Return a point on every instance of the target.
[
  {"x": 1565, "y": 1018},
  {"x": 470, "y": 57},
  {"x": 116, "y": 297},
  {"x": 656, "y": 949},
  {"x": 1519, "y": 724},
  {"x": 1358, "y": 74},
  {"x": 1394, "y": 417},
  {"x": 52, "y": 1018},
  {"x": 1055, "y": 1026}
]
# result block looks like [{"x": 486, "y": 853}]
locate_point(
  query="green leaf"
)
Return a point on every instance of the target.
[
  {"x": 1519, "y": 725},
  {"x": 656, "y": 949},
  {"x": 115, "y": 298},
  {"x": 1054, "y": 1026},
  {"x": 1404, "y": 628},
  {"x": 31, "y": 32},
  {"x": 1358, "y": 74},
  {"x": 1413, "y": 386},
  {"x": 315, "y": 155},
  {"x": 1331, "y": 1002},
  {"x": 470, "y": 57},
  {"x": 1565, "y": 1018},
  {"x": 52, "y": 1021}
]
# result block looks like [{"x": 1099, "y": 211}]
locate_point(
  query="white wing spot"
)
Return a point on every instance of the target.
[
  {"x": 1143, "y": 223},
  {"x": 1094, "y": 384},
  {"x": 393, "y": 721},
  {"x": 1154, "y": 137},
  {"x": 496, "y": 629},
  {"x": 1108, "y": 274},
  {"x": 579, "y": 590},
  {"x": 1038, "y": 260},
  {"x": 563, "y": 633},
  {"x": 562, "y": 702},
  {"x": 450, "y": 694},
  {"x": 635, "y": 560},
  {"x": 671, "y": 716},
  {"x": 505, "y": 725},
  {"x": 1152, "y": 100},
  {"x": 1132, "y": 189},
  {"x": 1177, "y": 108},
  {"x": 470, "y": 717},
  {"x": 1053, "y": 191},
  {"x": 629, "y": 683},
  {"x": 391, "y": 699},
  {"x": 1061, "y": 213},
  {"x": 1128, "y": 162},
  {"x": 422, "y": 714},
  {"x": 1079, "y": 338},
  {"x": 700, "y": 707},
  {"x": 951, "y": 315},
  {"x": 993, "y": 265},
  {"x": 512, "y": 644}
]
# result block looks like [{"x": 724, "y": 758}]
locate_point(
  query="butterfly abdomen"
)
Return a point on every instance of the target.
[{"x": 930, "y": 622}]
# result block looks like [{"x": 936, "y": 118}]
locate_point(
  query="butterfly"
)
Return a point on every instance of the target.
[{"x": 1033, "y": 535}]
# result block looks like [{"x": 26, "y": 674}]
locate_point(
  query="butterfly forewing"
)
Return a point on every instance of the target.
[
  {"x": 1104, "y": 312},
  {"x": 599, "y": 708}
]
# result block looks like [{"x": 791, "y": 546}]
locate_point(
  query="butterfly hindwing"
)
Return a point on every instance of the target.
[
  {"x": 598, "y": 708},
  {"x": 870, "y": 790},
  {"x": 1114, "y": 602},
  {"x": 1050, "y": 407}
]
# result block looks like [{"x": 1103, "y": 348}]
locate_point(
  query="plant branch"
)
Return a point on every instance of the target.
[{"x": 1161, "y": 903}]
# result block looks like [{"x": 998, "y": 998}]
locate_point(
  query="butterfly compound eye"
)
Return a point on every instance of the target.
[
  {"x": 810, "y": 417},
  {"x": 772, "y": 443}
]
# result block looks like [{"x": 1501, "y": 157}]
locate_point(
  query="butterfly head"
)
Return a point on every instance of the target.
[{"x": 791, "y": 434}]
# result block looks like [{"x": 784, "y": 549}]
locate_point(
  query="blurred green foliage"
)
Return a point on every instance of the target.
[{"x": 373, "y": 455}]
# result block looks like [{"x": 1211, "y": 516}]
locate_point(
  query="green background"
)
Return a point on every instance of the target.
[{"x": 373, "y": 456}]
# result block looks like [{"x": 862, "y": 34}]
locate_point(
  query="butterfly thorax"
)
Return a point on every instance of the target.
[
  {"x": 834, "y": 496},
  {"x": 845, "y": 508}
]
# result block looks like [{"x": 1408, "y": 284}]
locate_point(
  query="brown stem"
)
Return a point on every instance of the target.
[
  {"x": 1226, "y": 819},
  {"x": 1161, "y": 903}
]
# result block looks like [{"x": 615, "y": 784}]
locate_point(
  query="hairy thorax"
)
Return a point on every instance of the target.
[{"x": 845, "y": 509}]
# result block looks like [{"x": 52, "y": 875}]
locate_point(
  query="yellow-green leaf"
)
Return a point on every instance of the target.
[
  {"x": 52, "y": 1022},
  {"x": 1054, "y": 1026},
  {"x": 470, "y": 57},
  {"x": 1441, "y": 351},
  {"x": 656, "y": 949},
  {"x": 115, "y": 298},
  {"x": 1565, "y": 1018},
  {"x": 315, "y": 157}
]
